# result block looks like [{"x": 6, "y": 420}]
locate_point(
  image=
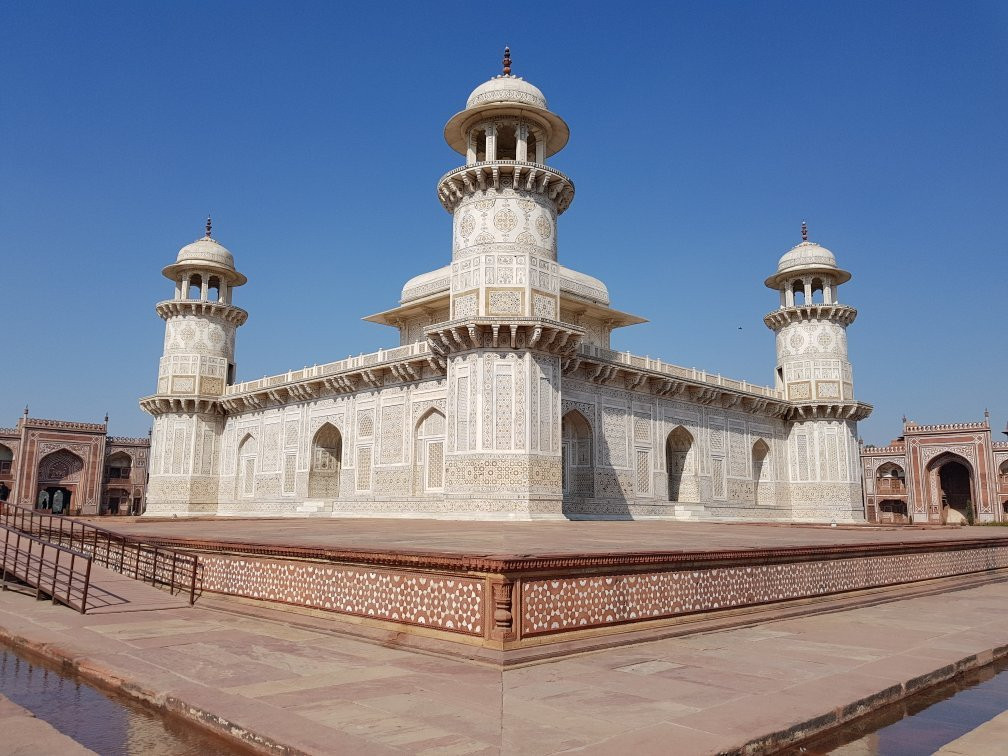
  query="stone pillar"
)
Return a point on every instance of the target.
[{"x": 522, "y": 142}]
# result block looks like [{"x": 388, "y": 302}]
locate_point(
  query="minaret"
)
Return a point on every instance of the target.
[
  {"x": 505, "y": 201},
  {"x": 815, "y": 374},
  {"x": 504, "y": 341},
  {"x": 196, "y": 365}
]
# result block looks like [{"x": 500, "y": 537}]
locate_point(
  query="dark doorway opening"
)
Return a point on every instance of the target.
[
  {"x": 954, "y": 478},
  {"x": 55, "y": 498}
]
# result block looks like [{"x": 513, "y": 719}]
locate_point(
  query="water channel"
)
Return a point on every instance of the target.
[
  {"x": 107, "y": 724},
  {"x": 923, "y": 723}
]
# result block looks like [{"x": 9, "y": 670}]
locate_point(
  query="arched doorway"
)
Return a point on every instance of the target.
[
  {"x": 326, "y": 463},
  {"x": 59, "y": 475},
  {"x": 428, "y": 452},
  {"x": 760, "y": 467},
  {"x": 678, "y": 461},
  {"x": 954, "y": 480},
  {"x": 578, "y": 469}
]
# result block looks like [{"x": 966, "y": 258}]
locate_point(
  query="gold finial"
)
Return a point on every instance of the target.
[
  {"x": 208, "y": 226},
  {"x": 804, "y": 231},
  {"x": 507, "y": 61}
]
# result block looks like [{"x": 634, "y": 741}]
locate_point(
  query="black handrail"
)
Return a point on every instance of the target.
[
  {"x": 175, "y": 570},
  {"x": 57, "y": 569}
]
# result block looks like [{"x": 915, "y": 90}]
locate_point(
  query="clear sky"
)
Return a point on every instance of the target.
[{"x": 701, "y": 135}]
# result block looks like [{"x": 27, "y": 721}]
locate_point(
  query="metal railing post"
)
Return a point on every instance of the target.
[
  {"x": 38, "y": 574},
  {"x": 52, "y": 591},
  {"x": 6, "y": 541},
  {"x": 192, "y": 585},
  {"x": 87, "y": 584}
]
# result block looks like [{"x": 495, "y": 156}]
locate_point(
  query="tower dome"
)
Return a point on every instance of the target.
[
  {"x": 807, "y": 257},
  {"x": 205, "y": 253},
  {"x": 507, "y": 95},
  {"x": 507, "y": 89}
]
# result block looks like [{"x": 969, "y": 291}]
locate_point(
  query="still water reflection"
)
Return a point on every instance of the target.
[
  {"x": 923, "y": 723},
  {"x": 104, "y": 724}
]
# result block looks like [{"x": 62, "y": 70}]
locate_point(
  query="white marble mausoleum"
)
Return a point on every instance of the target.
[{"x": 505, "y": 399}]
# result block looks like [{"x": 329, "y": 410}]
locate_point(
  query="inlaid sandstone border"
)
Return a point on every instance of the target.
[{"x": 501, "y": 600}]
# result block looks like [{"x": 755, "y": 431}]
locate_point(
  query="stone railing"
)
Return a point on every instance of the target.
[
  {"x": 65, "y": 425},
  {"x": 9, "y": 431},
  {"x": 890, "y": 485},
  {"x": 371, "y": 359},
  {"x": 128, "y": 441},
  {"x": 897, "y": 449},
  {"x": 690, "y": 374},
  {"x": 915, "y": 428}
]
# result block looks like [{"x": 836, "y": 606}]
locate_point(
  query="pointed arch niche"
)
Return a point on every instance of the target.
[
  {"x": 679, "y": 461},
  {"x": 326, "y": 463},
  {"x": 428, "y": 452},
  {"x": 761, "y": 472},
  {"x": 248, "y": 450},
  {"x": 59, "y": 475},
  {"x": 578, "y": 461}
]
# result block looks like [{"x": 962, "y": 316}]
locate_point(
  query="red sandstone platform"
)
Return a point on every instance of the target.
[
  {"x": 531, "y": 539},
  {"x": 514, "y": 589}
]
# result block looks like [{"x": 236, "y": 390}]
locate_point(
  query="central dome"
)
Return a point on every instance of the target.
[{"x": 507, "y": 89}]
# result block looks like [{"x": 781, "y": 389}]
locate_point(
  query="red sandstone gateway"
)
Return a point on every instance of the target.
[{"x": 73, "y": 468}]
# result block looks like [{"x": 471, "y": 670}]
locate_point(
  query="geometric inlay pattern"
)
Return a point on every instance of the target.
[
  {"x": 443, "y": 602},
  {"x": 563, "y": 604}
]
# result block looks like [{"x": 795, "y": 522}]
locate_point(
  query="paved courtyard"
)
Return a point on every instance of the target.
[
  {"x": 531, "y": 538},
  {"x": 292, "y": 680}
]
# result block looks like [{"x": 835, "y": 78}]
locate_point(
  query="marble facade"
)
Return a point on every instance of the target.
[{"x": 504, "y": 398}]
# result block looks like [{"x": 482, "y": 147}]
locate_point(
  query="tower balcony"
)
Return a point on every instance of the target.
[
  {"x": 173, "y": 307},
  {"x": 836, "y": 313},
  {"x": 463, "y": 182}
]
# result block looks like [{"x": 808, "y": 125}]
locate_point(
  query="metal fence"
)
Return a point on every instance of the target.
[{"x": 177, "y": 571}]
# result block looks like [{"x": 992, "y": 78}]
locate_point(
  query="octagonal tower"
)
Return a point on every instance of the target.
[
  {"x": 505, "y": 201},
  {"x": 196, "y": 365},
  {"x": 815, "y": 374}
]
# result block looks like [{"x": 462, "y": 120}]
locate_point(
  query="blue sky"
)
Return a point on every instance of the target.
[{"x": 701, "y": 135}]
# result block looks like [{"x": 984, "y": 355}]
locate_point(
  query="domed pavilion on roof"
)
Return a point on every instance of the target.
[{"x": 504, "y": 398}]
